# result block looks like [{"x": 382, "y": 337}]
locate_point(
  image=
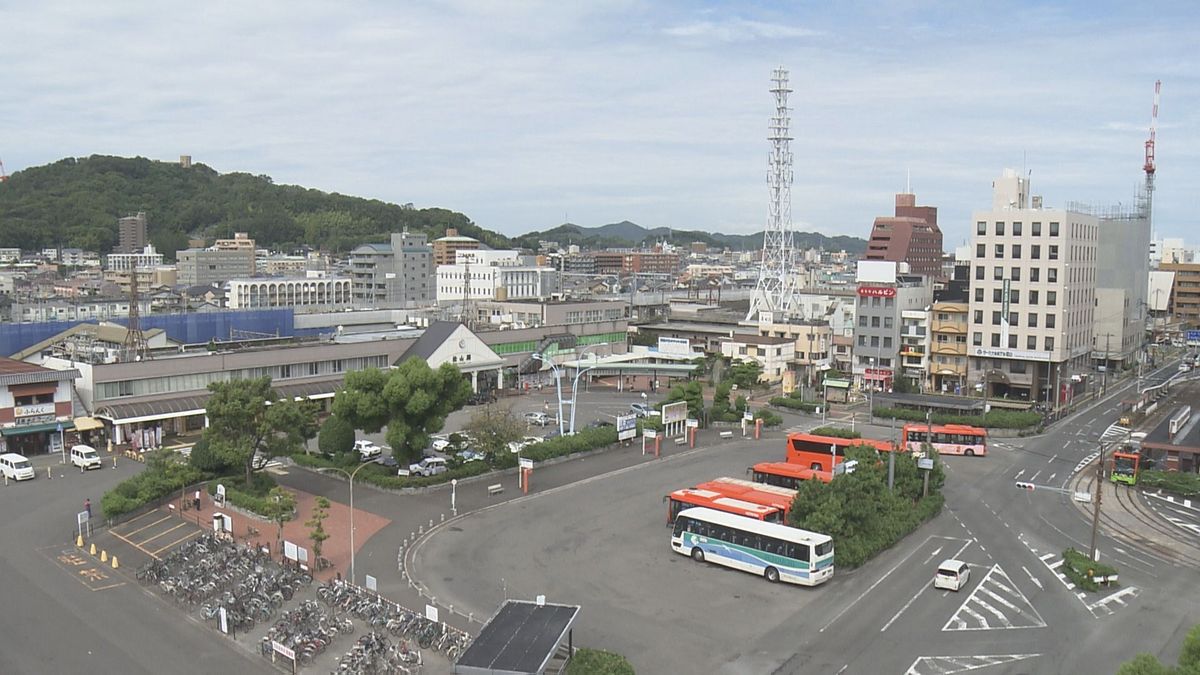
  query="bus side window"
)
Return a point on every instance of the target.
[
  {"x": 801, "y": 552},
  {"x": 767, "y": 545}
]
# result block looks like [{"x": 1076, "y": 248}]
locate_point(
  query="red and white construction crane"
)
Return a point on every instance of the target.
[{"x": 1149, "y": 166}]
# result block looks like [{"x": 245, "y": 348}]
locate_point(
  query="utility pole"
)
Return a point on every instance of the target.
[
  {"x": 892, "y": 458},
  {"x": 1095, "y": 555},
  {"x": 1104, "y": 373}
]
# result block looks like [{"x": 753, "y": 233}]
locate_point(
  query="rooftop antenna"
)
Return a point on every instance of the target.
[{"x": 908, "y": 182}]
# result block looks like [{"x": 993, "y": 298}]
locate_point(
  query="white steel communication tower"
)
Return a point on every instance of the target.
[{"x": 776, "y": 289}]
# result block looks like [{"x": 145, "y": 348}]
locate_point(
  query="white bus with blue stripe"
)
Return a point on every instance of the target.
[{"x": 776, "y": 552}]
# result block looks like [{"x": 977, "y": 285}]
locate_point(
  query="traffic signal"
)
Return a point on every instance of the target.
[{"x": 1025, "y": 486}]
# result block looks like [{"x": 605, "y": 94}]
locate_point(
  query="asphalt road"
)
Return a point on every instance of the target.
[
  {"x": 65, "y": 612},
  {"x": 602, "y": 543}
]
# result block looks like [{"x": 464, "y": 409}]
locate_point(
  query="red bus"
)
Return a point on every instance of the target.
[
  {"x": 947, "y": 439},
  {"x": 785, "y": 474},
  {"x": 755, "y": 493},
  {"x": 688, "y": 497},
  {"x": 818, "y": 452}
]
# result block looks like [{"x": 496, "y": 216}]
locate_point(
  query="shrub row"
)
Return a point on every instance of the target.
[
  {"x": 598, "y": 662},
  {"x": 253, "y": 499},
  {"x": 793, "y": 404},
  {"x": 996, "y": 419},
  {"x": 836, "y": 432},
  {"x": 1184, "y": 484},
  {"x": 1082, "y": 570},
  {"x": 769, "y": 417},
  {"x": 158, "y": 480}
]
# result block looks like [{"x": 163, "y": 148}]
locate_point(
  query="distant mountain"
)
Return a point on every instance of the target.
[
  {"x": 76, "y": 203},
  {"x": 627, "y": 234}
]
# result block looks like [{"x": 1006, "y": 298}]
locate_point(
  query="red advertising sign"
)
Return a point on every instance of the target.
[
  {"x": 877, "y": 291},
  {"x": 878, "y": 373}
]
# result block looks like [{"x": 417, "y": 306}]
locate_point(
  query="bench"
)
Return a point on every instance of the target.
[
  {"x": 496, "y": 489},
  {"x": 726, "y": 434},
  {"x": 681, "y": 440}
]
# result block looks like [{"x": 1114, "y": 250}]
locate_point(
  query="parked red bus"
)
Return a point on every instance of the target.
[
  {"x": 947, "y": 439},
  {"x": 688, "y": 497},
  {"x": 755, "y": 493},
  {"x": 818, "y": 452},
  {"x": 785, "y": 474}
]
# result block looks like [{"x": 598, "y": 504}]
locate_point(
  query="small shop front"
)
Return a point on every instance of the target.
[{"x": 35, "y": 439}]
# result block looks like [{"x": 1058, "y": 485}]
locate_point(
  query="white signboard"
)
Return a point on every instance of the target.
[
  {"x": 674, "y": 413},
  {"x": 403, "y": 472},
  {"x": 224, "y": 621},
  {"x": 925, "y": 463},
  {"x": 431, "y": 613},
  {"x": 748, "y": 416},
  {"x": 1000, "y": 353},
  {"x": 626, "y": 427},
  {"x": 876, "y": 271},
  {"x": 649, "y": 433},
  {"x": 372, "y": 583},
  {"x": 669, "y": 345},
  {"x": 525, "y": 463},
  {"x": 280, "y": 648},
  {"x": 289, "y": 550},
  {"x": 35, "y": 409},
  {"x": 220, "y": 494},
  {"x": 693, "y": 424}
]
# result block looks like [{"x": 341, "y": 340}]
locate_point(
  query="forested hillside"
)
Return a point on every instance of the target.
[
  {"x": 626, "y": 233},
  {"x": 76, "y": 203}
]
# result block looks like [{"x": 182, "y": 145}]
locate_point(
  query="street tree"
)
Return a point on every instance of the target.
[
  {"x": 316, "y": 526},
  {"x": 494, "y": 426},
  {"x": 241, "y": 424},
  {"x": 280, "y": 508},
  {"x": 411, "y": 400},
  {"x": 692, "y": 392},
  {"x": 744, "y": 374},
  {"x": 336, "y": 437}
]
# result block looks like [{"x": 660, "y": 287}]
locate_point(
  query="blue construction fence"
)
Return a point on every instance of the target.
[{"x": 196, "y": 328}]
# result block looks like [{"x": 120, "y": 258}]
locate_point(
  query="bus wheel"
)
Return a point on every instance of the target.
[
  {"x": 698, "y": 554},
  {"x": 969, "y": 452},
  {"x": 771, "y": 574}
]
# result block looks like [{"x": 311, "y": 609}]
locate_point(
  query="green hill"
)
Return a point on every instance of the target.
[
  {"x": 76, "y": 203},
  {"x": 627, "y": 234}
]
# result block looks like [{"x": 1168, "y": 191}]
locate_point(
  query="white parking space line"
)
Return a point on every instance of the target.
[{"x": 1034, "y": 476}]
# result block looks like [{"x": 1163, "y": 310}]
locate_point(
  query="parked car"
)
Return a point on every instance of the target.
[
  {"x": 388, "y": 461},
  {"x": 597, "y": 424},
  {"x": 952, "y": 575},
  {"x": 16, "y": 467},
  {"x": 541, "y": 419},
  {"x": 517, "y": 446},
  {"x": 430, "y": 466},
  {"x": 469, "y": 456},
  {"x": 85, "y": 457},
  {"x": 440, "y": 442},
  {"x": 367, "y": 450},
  {"x": 642, "y": 410}
]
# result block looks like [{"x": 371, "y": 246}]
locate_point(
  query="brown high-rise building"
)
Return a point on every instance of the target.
[
  {"x": 131, "y": 234},
  {"x": 911, "y": 236}
]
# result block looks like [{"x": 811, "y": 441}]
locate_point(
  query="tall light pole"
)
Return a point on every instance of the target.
[
  {"x": 579, "y": 370},
  {"x": 562, "y": 430},
  {"x": 350, "y": 478}
]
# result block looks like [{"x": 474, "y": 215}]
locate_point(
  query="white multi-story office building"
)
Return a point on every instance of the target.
[
  {"x": 1032, "y": 297},
  {"x": 125, "y": 262},
  {"x": 884, "y": 295},
  {"x": 494, "y": 275}
]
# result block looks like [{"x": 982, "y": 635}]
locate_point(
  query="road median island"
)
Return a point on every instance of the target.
[{"x": 1088, "y": 574}]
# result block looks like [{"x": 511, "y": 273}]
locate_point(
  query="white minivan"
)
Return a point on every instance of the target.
[
  {"x": 85, "y": 457},
  {"x": 15, "y": 467},
  {"x": 952, "y": 575}
]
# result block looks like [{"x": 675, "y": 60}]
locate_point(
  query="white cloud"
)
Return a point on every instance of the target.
[{"x": 738, "y": 30}]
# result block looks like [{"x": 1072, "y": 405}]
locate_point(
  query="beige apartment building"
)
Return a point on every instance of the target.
[
  {"x": 948, "y": 347},
  {"x": 1033, "y": 294}
]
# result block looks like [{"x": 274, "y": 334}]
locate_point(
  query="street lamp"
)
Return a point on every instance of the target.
[
  {"x": 558, "y": 386},
  {"x": 579, "y": 370},
  {"x": 350, "y": 478}
]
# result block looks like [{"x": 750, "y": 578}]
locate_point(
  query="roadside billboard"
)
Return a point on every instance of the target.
[
  {"x": 626, "y": 427},
  {"x": 674, "y": 413}
]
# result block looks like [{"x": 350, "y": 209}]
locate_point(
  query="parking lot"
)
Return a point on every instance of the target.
[{"x": 604, "y": 543}]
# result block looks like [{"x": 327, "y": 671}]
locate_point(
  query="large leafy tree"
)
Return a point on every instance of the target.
[
  {"x": 493, "y": 427},
  {"x": 1189, "y": 660},
  {"x": 411, "y": 400},
  {"x": 241, "y": 423},
  {"x": 692, "y": 392}
]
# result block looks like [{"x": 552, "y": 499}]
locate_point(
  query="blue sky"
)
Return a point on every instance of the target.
[{"x": 524, "y": 113}]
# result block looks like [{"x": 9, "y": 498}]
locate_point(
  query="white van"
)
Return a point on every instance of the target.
[
  {"x": 15, "y": 467},
  {"x": 952, "y": 575},
  {"x": 85, "y": 457}
]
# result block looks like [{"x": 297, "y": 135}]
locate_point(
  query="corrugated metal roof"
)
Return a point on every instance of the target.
[
  {"x": 171, "y": 407},
  {"x": 43, "y": 375}
]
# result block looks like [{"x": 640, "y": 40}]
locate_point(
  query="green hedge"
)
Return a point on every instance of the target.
[
  {"x": 582, "y": 441},
  {"x": 1081, "y": 570},
  {"x": 793, "y": 404},
  {"x": 158, "y": 480},
  {"x": 1181, "y": 483},
  {"x": 598, "y": 662},
  {"x": 253, "y": 499},
  {"x": 996, "y": 419},
  {"x": 836, "y": 432},
  {"x": 769, "y": 417}
]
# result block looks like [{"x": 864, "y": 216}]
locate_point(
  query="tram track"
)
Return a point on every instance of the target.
[{"x": 1180, "y": 550}]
